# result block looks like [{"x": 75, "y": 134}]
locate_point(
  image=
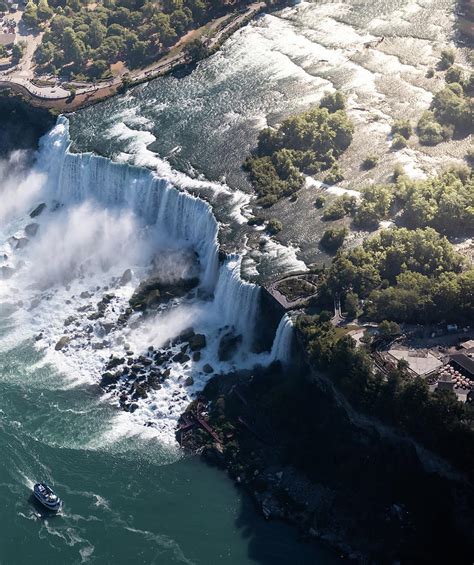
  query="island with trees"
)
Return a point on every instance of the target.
[{"x": 301, "y": 145}]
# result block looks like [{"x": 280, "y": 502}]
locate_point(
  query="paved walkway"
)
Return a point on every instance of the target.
[{"x": 24, "y": 73}]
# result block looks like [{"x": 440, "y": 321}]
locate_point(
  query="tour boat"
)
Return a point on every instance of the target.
[{"x": 44, "y": 494}]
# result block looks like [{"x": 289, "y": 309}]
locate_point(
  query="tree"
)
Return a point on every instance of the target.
[
  {"x": 454, "y": 74},
  {"x": 17, "y": 51},
  {"x": 44, "y": 12},
  {"x": 44, "y": 53},
  {"x": 388, "y": 329},
  {"x": 403, "y": 128},
  {"x": 98, "y": 68},
  {"x": 429, "y": 130},
  {"x": 30, "y": 15},
  {"x": 333, "y": 101},
  {"x": 447, "y": 59},
  {"x": 333, "y": 239},
  {"x": 274, "y": 226},
  {"x": 351, "y": 304},
  {"x": 196, "y": 50},
  {"x": 137, "y": 53},
  {"x": 399, "y": 142},
  {"x": 370, "y": 162},
  {"x": 181, "y": 20},
  {"x": 96, "y": 34},
  {"x": 450, "y": 107}
]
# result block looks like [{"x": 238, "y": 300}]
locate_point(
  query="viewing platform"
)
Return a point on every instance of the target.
[{"x": 294, "y": 291}]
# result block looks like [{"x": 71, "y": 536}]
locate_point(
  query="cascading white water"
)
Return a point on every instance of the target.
[
  {"x": 101, "y": 219},
  {"x": 237, "y": 300},
  {"x": 281, "y": 348},
  {"x": 74, "y": 178}
]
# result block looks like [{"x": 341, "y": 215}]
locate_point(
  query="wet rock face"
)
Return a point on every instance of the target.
[
  {"x": 154, "y": 291},
  {"x": 197, "y": 342},
  {"x": 109, "y": 378},
  {"x": 228, "y": 346},
  {"x": 31, "y": 229},
  {"x": 38, "y": 210},
  {"x": 181, "y": 358},
  {"x": 21, "y": 242},
  {"x": 6, "y": 272},
  {"x": 62, "y": 343},
  {"x": 126, "y": 277}
]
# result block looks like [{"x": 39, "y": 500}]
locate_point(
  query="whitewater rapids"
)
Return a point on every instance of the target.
[{"x": 100, "y": 220}]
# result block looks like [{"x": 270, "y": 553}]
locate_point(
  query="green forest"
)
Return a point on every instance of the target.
[
  {"x": 303, "y": 144},
  {"x": 84, "y": 39},
  {"x": 405, "y": 276},
  {"x": 452, "y": 110},
  {"x": 444, "y": 202}
]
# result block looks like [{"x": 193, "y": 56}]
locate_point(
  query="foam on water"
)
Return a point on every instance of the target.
[
  {"x": 136, "y": 152},
  {"x": 102, "y": 218}
]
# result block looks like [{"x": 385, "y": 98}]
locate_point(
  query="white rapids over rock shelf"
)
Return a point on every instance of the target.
[{"x": 70, "y": 270}]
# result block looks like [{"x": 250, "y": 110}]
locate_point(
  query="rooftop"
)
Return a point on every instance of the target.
[
  {"x": 420, "y": 362},
  {"x": 465, "y": 362},
  {"x": 7, "y": 38}
]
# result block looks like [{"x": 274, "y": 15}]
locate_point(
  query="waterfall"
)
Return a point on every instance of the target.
[
  {"x": 281, "y": 348},
  {"x": 237, "y": 300},
  {"x": 175, "y": 214},
  {"x": 179, "y": 216}
]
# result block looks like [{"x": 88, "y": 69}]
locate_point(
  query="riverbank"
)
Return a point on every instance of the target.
[
  {"x": 63, "y": 100},
  {"x": 306, "y": 459}
]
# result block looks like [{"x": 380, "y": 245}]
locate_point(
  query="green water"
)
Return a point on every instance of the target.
[{"x": 127, "y": 499}]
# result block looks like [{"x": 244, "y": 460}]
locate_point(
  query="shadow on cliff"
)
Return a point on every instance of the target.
[{"x": 360, "y": 484}]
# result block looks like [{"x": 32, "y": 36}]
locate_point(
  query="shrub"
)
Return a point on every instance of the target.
[
  {"x": 452, "y": 108},
  {"x": 454, "y": 74},
  {"x": 333, "y": 239},
  {"x": 403, "y": 128},
  {"x": 388, "y": 329},
  {"x": 342, "y": 206},
  {"x": 398, "y": 171},
  {"x": 274, "y": 226},
  {"x": 256, "y": 221},
  {"x": 376, "y": 204},
  {"x": 399, "y": 142},
  {"x": 430, "y": 73},
  {"x": 334, "y": 175},
  {"x": 470, "y": 157},
  {"x": 447, "y": 59},
  {"x": 370, "y": 162},
  {"x": 320, "y": 201},
  {"x": 429, "y": 130},
  {"x": 333, "y": 101}
]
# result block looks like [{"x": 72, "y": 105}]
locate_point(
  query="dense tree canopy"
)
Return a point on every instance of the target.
[
  {"x": 445, "y": 202},
  {"x": 437, "y": 419},
  {"x": 406, "y": 275},
  {"x": 84, "y": 39},
  {"x": 303, "y": 144},
  {"x": 451, "y": 111}
]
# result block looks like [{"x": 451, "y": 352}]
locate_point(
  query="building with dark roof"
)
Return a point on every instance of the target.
[{"x": 463, "y": 363}]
